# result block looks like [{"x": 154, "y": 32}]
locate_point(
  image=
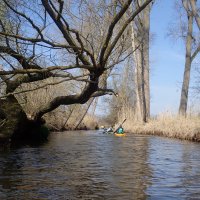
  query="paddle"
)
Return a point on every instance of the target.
[{"x": 119, "y": 126}]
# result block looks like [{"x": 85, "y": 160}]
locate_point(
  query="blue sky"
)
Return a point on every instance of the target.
[{"x": 167, "y": 60}]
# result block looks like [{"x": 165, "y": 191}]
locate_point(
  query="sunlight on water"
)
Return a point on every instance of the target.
[{"x": 91, "y": 165}]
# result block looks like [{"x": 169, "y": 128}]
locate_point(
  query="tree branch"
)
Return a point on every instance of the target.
[
  {"x": 45, "y": 85},
  {"x": 116, "y": 39},
  {"x": 26, "y": 17},
  {"x": 40, "y": 40},
  {"x": 101, "y": 92},
  {"x": 21, "y": 59},
  {"x": 195, "y": 53},
  {"x": 110, "y": 30},
  {"x": 65, "y": 31},
  {"x": 45, "y": 70}
]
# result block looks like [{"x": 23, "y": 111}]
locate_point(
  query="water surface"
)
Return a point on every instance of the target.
[{"x": 92, "y": 165}]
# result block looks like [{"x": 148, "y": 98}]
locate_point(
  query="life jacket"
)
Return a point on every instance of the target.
[{"x": 120, "y": 131}]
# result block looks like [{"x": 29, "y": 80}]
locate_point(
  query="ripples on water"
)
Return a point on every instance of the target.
[{"x": 91, "y": 165}]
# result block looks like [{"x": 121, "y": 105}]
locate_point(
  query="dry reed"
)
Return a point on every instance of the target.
[{"x": 165, "y": 124}]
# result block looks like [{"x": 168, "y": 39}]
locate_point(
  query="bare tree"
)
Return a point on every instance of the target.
[
  {"x": 190, "y": 8},
  {"x": 140, "y": 41},
  {"x": 43, "y": 38}
]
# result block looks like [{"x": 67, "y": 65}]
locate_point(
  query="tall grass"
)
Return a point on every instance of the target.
[{"x": 165, "y": 124}]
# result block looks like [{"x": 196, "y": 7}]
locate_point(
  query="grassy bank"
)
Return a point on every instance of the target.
[{"x": 168, "y": 125}]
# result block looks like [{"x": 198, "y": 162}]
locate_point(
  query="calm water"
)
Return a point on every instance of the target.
[{"x": 91, "y": 165}]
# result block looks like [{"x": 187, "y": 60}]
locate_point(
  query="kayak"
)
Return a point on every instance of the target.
[
  {"x": 120, "y": 134},
  {"x": 106, "y": 132}
]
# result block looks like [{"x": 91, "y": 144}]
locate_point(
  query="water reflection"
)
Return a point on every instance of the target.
[
  {"x": 91, "y": 165},
  {"x": 172, "y": 161}
]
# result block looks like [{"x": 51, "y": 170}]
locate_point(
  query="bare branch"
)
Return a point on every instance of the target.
[
  {"x": 39, "y": 40},
  {"x": 110, "y": 30},
  {"x": 101, "y": 92},
  {"x": 21, "y": 59},
  {"x": 65, "y": 32},
  {"x": 46, "y": 85},
  {"x": 116, "y": 39},
  {"x": 26, "y": 17},
  {"x": 195, "y": 53},
  {"x": 45, "y": 70}
]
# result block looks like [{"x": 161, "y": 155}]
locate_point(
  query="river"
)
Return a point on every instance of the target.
[{"x": 92, "y": 165}]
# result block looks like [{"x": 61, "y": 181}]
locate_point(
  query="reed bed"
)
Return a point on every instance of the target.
[{"x": 165, "y": 124}]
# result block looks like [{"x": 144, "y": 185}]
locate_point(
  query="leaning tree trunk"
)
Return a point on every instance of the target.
[
  {"x": 186, "y": 78},
  {"x": 84, "y": 114},
  {"x": 68, "y": 117}
]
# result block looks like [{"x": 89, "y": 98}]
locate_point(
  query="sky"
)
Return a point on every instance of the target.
[{"x": 167, "y": 60}]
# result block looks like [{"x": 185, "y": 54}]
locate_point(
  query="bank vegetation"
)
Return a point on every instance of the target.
[{"x": 165, "y": 124}]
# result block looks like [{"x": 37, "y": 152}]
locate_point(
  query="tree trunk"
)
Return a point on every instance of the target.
[
  {"x": 17, "y": 126},
  {"x": 14, "y": 116},
  {"x": 146, "y": 23},
  {"x": 144, "y": 106},
  {"x": 136, "y": 79},
  {"x": 186, "y": 78},
  {"x": 140, "y": 40},
  {"x": 195, "y": 12}
]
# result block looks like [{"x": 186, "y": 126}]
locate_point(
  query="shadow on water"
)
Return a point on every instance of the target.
[
  {"x": 91, "y": 165},
  {"x": 27, "y": 143}
]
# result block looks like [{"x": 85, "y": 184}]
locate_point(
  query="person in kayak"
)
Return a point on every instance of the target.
[
  {"x": 120, "y": 130},
  {"x": 109, "y": 129}
]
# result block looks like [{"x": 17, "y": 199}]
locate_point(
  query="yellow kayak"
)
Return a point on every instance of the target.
[{"x": 120, "y": 134}]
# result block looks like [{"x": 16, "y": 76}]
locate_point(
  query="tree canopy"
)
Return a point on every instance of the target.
[{"x": 69, "y": 40}]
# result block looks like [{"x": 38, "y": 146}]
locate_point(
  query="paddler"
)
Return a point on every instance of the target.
[{"x": 120, "y": 130}]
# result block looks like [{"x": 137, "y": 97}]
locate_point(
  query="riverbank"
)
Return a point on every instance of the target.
[
  {"x": 61, "y": 124},
  {"x": 186, "y": 128}
]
